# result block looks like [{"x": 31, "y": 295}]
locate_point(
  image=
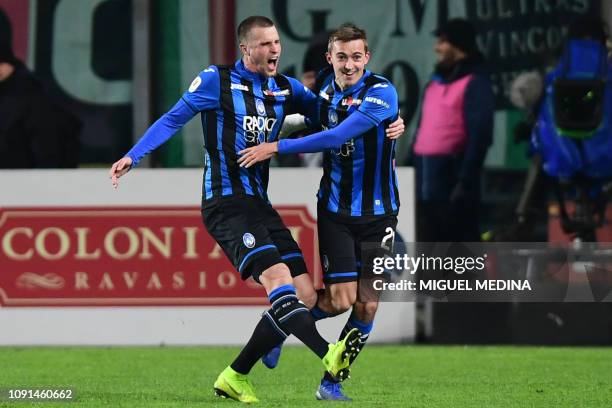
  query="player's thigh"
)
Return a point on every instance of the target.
[
  {"x": 336, "y": 249},
  {"x": 236, "y": 226},
  {"x": 288, "y": 248},
  {"x": 374, "y": 240}
]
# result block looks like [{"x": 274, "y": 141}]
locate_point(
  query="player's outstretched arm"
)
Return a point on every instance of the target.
[
  {"x": 353, "y": 126},
  {"x": 162, "y": 130},
  {"x": 118, "y": 169}
]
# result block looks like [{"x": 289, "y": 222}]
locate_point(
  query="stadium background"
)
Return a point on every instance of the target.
[{"x": 119, "y": 64}]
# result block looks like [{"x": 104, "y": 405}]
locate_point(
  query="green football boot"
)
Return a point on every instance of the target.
[
  {"x": 338, "y": 357},
  {"x": 236, "y": 386}
]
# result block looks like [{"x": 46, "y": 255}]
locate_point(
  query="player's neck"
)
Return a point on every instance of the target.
[
  {"x": 251, "y": 67},
  {"x": 344, "y": 86}
]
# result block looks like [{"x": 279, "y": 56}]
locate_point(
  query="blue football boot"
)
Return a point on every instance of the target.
[
  {"x": 331, "y": 391},
  {"x": 270, "y": 359}
]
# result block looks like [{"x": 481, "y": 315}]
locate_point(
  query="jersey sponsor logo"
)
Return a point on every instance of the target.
[
  {"x": 346, "y": 149},
  {"x": 377, "y": 101},
  {"x": 381, "y": 85},
  {"x": 257, "y": 129},
  {"x": 332, "y": 117},
  {"x": 195, "y": 84},
  {"x": 240, "y": 87},
  {"x": 249, "y": 240},
  {"x": 284, "y": 92},
  {"x": 259, "y": 105},
  {"x": 323, "y": 95},
  {"x": 351, "y": 102}
]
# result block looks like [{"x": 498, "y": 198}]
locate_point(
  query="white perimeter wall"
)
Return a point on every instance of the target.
[{"x": 169, "y": 325}]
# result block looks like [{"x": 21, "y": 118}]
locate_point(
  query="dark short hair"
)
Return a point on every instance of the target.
[
  {"x": 6, "y": 39},
  {"x": 249, "y": 23},
  {"x": 347, "y": 32},
  {"x": 460, "y": 33}
]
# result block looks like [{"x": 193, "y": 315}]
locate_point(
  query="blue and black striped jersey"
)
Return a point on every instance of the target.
[
  {"x": 359, "y": 179},
  {"x": 239, "y": 109}
]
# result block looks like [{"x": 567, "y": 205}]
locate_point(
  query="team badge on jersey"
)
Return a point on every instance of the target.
[
  {"x": 249, "y": 240},
  {"x": 332, "y": 117},
  {"x": 195, "y": 84},
  {"x": 259, "y": 105}
]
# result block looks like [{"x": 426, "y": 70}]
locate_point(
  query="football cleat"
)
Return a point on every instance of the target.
[
  {"x": 270, "y": 359},
  {"x": 331, "y": 391},
  {"x": 339, "y": 355},
  {"x": 236, "y": 386}
]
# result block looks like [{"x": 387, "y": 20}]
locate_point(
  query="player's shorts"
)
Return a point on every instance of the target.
[
  {"x": 252, "y": 235},
  {"x": 342, "y": 242}
]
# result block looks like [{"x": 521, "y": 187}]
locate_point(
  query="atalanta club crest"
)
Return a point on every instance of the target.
[
  {"x": 259, "y": 105},
  {"x": 332, "y": 118},
  {"x": 249, "y": 240}
]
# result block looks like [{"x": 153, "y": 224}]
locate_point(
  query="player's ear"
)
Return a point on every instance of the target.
[
  {"x": 328, "y": 57},
  {"x": 366, "y": 57}
]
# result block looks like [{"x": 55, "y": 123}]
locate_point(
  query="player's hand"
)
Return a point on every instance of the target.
[
  {"x": 118, "y": 169},
  {"x": 255, "y": 154},
  {"x": 396, "y": 129}
]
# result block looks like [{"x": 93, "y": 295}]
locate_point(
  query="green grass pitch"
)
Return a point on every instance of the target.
[{"x": 383, "y": 376}]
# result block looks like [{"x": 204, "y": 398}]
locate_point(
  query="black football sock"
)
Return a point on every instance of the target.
[
  {"x": 293, "y": 317},
  {"x": 266, "y": 335}
]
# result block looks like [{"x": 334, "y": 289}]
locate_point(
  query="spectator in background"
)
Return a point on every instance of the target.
[
  {"x": 314, "y": 59},
  {"x": 34, "y": 131},
  {"x": 314, "y": 62},
  {"x": 452, "y": 139}
]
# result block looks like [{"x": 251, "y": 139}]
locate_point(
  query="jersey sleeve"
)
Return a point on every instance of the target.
[
  {"x": 162, "y": 130},
  {"x": 355, "y": 125},
  {"x": 204, "y": 92},
  {"x": 304, "y": 101},
  {"x": 380, "y": 103}
]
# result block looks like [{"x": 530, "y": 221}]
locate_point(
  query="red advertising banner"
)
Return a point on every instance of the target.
[
  {"x": 17, "y": 12},
  {"x": 132, "y": 256}
]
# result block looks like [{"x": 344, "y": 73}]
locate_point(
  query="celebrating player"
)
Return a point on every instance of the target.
[
  {"x": 243, "y": 105},
  {"x": 358, "y": 198}
]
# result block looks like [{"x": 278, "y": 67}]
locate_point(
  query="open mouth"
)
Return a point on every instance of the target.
[{"x": 272, "y": 63}]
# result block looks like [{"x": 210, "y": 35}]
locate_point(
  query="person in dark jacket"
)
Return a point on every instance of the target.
[
  {"x": 34, "y": 131},
  {"x": 454, "y": 133}
]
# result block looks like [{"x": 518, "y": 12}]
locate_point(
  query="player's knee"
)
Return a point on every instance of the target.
[
  {"x": 308, "y": 297},
  {"x": 343, "y": 301},
  {"x": 276, "y": 275},
  {"x": 305, "y": 290}
]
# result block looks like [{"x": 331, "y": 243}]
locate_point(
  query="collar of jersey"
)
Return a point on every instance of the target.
[
  {"x": 352, "y": 88},
  {"x": 250, "y": 75}
]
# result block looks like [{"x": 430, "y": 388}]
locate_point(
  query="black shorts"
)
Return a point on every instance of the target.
[
  {"x": 252, "y": 235},
  {"x": 342, "y": 241}
]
